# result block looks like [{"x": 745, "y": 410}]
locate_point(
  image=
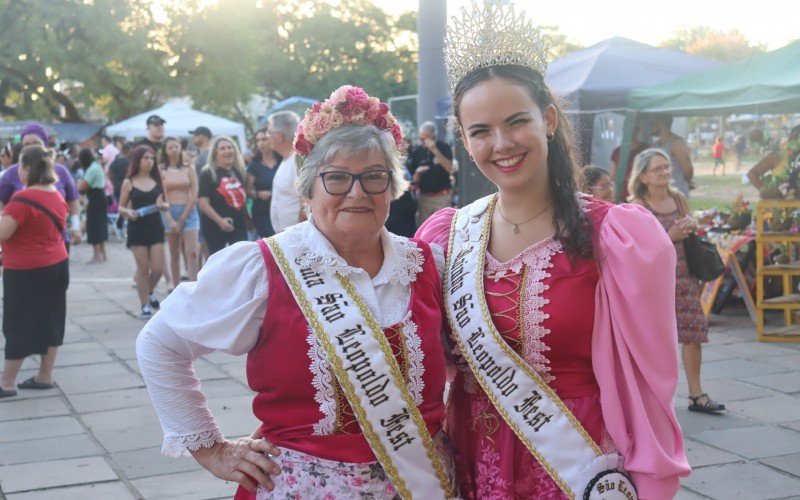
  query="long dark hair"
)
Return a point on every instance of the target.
[
  {"x": 136, "y": 164},
  {"x": 572, "y": 227},
  {"x": 258, "y": 157},
  {"x": 163, "y": 158}
]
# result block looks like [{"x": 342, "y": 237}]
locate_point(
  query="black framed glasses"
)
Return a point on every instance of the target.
[{"x": 339, "y": 183}]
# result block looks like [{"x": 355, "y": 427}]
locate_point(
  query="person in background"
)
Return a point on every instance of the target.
[
  {"x": 181, "y": 221},
  {"x": 739, "y": 148},
  {"x": 636, "y": 147},
  {"x": 286, "y": 208},
  {"x": 201, "y": 139},
  {"x": 650, "y": 186},
  {"x": 778, "y": 163},
  {"x": 155, "y": 133},
  {"x": 109, "y": 151},
  {"x": 141, "y": 199},
  {"x": 35, "y": 134},
  {"x": 36, "y": 272},
  {"x": 678, "y": 151},
  {"x": 118, "y": 170},
  {"x": 598, "y": 183},
  {"x": 7, "y": 155},
  {"x": 94, "y": 185},
  {"x": 718, "y": 152},
  {"x": 260, "y": 174},
  {"x": 222, "y": 196},
  {"x": 431, "y": 165},
  {"x": 403, "y": 211}
]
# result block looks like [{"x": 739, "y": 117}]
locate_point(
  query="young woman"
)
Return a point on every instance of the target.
[
  {"x": 260, "y": 173},
  {"x": 561, "y": 306},
  {"x": 36, "y": 272},
  {"x": 598, "y": 183},
  {"x": 650, "y": 186},
  {"x": 181, "y": 221},
  {"x": 141, "y": 199},
  {"x": 222, "y": 196},
  {"x": 93, "y": 184}
]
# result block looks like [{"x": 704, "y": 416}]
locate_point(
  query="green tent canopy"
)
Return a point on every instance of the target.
[{"x": 766, "y": 83}]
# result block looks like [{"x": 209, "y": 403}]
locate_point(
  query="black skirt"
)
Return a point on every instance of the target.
[
  {"x": 96, "y": 217},
  {"x": 34, "y": 309}
]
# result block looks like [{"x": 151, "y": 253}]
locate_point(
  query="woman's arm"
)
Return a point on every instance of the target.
[
  {"x": 762, "y": 167},
  {"x": 7, "y": 227},
  {"x": 250, "y": 186},
  {"x": 207, "y": 210},
  {"x": 124, "y": 201}
]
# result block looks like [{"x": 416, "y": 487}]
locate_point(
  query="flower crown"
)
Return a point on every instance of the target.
[{"x": 346, "y": 105}]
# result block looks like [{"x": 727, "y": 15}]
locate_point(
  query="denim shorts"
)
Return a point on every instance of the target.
[{"x": 192, "y": 222}]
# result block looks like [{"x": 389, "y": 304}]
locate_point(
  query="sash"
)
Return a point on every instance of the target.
[
  {"x": 368, "y": 374},
  {"x": 527, "y": 404}
]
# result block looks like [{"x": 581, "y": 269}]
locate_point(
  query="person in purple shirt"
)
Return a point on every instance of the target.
[{"x": 35, "y": 134}]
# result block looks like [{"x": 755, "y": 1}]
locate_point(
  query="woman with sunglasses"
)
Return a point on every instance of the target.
[{"x": 340, "y": 321}]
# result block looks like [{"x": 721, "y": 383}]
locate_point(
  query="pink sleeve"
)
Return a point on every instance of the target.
[
  {"x": 634, "y": 348},
  {"x": 436, "y": 229}
]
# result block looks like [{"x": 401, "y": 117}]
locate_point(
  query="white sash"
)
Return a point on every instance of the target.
[
  {"x": 528, "y": 405},
  {"x": 368, "y": 374}
]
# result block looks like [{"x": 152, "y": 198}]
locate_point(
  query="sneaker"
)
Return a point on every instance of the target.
[
  {"x": 154, "y": 303},
  {"x": 146, "y": 312}
]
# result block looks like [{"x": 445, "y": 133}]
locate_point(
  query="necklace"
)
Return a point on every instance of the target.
[{"x": 517, "y": 224}]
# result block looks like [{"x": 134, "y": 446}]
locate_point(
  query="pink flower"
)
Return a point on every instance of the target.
[
  {"x": 380, "y": 122},
  {"x": 383, "y": 108},
  {"x": 397, "y": 133},
  {"x": 302, "y": 146},
  {"x": 290, "y": 480},
  {"x": 358, "y": 481},
  {"x": 315, "y": 108}
]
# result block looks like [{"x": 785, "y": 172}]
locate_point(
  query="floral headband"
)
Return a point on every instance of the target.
[{"x": 346, "y": 105}]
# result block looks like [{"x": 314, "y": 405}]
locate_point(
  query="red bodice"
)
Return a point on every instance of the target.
[{"x": 279, "y": 369}]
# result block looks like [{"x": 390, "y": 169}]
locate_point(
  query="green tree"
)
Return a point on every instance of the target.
[
  {"x": 724, "y": 46},
  {"x": 560, "y": 45}
]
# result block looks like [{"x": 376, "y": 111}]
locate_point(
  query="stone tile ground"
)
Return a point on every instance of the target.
[{"x": 96, "y": 436}]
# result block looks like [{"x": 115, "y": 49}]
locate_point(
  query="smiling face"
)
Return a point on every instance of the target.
[
  {"x": 505, "y": 131},
  {"x": 225, "y": 154},
  {"x": 356, "y": 214}
]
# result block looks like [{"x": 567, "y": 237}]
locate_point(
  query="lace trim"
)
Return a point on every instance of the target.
[
  {"x": 415, "y": 368},
  {"x": 411, "y": 259},
  {"x": 177, "y": 446},
  {"x": 323, "y": 382}
]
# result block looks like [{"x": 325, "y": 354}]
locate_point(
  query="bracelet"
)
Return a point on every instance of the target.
[{"x": 74, "y": 222}]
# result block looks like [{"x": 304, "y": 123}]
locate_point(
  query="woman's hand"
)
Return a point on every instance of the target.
[
  {"x": 174, "y": 226},
  {"x": 241, "y": 461},
  {"x": 681, "y": 229},
  {"x": 132, "y": 214},
  {"x": 226, "y": 224},
  {"x": 264, "y": 195}
]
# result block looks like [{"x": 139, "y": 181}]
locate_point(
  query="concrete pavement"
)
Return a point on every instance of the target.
[{"x": 96, "y": 435}]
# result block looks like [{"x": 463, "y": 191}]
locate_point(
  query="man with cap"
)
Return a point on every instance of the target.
[
  {"x": 35, "y": 134},
  {"x": 201, "y": 138},
  {"x": 155, "y": 133}
]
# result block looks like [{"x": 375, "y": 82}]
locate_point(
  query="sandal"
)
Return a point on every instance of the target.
[
  {"x": 7, "y": 394},
  {"x": 710, "y": 406},
  {"x": 31, "y": 383}
]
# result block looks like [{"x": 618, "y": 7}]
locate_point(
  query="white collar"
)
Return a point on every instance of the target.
[{"x": 402, "y": 259}]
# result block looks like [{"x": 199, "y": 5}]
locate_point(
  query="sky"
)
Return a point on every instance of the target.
[{"x": 773, "y": 22}]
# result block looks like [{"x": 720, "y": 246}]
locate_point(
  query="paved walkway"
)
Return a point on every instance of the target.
[{"x": 96, "y": 436}]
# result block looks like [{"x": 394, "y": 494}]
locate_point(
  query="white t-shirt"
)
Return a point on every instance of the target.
[{"x": 284, "y": 210}]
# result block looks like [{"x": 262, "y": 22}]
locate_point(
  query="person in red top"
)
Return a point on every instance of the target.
[
  {"x": 718, "y": 151},
  {"x": 36, "y": 272}
]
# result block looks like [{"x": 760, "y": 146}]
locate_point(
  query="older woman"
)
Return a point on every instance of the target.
[
  {"x": 36, "y": 272},
  {"x": 340, "y": 321},
  {"x": 560, "y": 305},
  {"x": 651, "y": 187}
]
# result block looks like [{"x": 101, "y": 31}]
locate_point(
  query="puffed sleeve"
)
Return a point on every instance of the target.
[
  {"x": 223, "y": 310},
  {"x": 634, "y": 348},
  {"x": 436, "y": 230}
]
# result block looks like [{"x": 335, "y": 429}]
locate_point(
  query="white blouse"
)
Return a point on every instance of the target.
[{"x": 224, "y": 310}]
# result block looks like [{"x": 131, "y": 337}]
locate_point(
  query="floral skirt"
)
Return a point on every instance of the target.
[{"x": 305, "y": 476}]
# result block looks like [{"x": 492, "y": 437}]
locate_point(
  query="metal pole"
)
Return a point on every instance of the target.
[{"x": 431, "y": 76}]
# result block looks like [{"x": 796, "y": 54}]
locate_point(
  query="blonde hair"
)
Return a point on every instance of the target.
[
  {"x": 212, "y": 163},
  {"x": 636, "y": 188}
]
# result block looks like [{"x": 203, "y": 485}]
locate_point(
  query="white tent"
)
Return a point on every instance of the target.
[{"x": 181, "y": 118}]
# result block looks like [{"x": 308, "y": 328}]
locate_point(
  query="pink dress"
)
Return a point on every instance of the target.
[{"x": 601, "y": 333}]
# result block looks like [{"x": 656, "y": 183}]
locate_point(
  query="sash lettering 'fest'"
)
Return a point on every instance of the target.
[
  {"x": 368, "y": 374},
  {"x": 528, "y": 405}
]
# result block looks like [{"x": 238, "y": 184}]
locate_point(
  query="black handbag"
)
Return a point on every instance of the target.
[{"x": 702, "y": 258}]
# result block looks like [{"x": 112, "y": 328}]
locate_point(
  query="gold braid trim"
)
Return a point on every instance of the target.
[
  {"x": 394, "y": 368},
  {"x": 347, "y": 385},
  {"x": 511, "y": 354}
]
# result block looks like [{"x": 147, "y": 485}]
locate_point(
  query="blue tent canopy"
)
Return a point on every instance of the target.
[{"x": 598, "y": 79}]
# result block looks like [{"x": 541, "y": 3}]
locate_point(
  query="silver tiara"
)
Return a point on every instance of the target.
[{"x": 491, "y": 35}]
